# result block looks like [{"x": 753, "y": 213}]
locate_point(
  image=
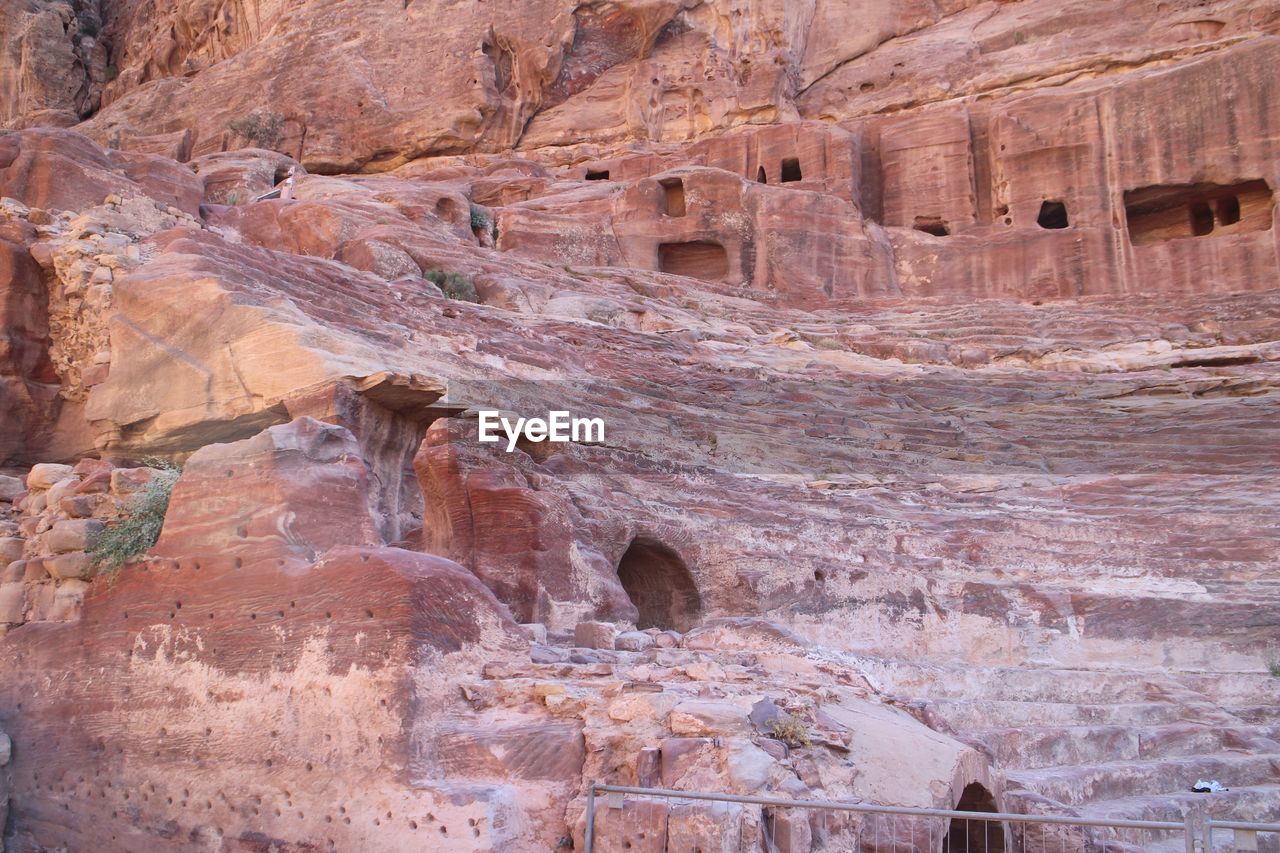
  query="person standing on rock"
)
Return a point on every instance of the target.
[{"x": 286, "y": 190}]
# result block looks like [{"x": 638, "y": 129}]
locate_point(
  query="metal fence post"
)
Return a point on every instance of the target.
[
  {"x": 1189, "y": 833},
  {"x": 590, "y": 840}
]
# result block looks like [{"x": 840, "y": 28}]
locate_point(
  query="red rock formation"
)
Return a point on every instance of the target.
[
  {"x": 936, "y": 346},
  {"x": 54, "y": 62},
  {"x": 28, "y": 383}
]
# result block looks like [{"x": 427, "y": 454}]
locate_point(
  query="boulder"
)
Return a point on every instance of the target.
[
  {"x": 293, "y": 491},
  {"x": 13, "y": 602},
  {"x": 46, "y": 475},
  {"x": 634, "y": 641},
  {"x": 11, "y": 548},
  {"x": 74, "y": 566},
  {"x": 10, "y": 488},
  {"x": 594, "y": 635},
  {"x": 75, "y": 534},
  {"x": 13, "y": 571}
]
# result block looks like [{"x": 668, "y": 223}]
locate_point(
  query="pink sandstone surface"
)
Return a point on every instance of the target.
[{"x": 938, "y": 347}]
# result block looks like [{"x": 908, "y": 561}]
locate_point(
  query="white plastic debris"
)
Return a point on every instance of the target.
[{"x": 1212, "y": 786}]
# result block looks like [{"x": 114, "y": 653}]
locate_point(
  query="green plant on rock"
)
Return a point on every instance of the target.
[
  {"x": 454, "y": 285},
  {"x": 480, "y": 220},
  {"x": 139, "y": 526},
  {"x": 1274, "y": 668},
  {"x": 790, "y": 730},
  {"x": 263, "y": 129}
]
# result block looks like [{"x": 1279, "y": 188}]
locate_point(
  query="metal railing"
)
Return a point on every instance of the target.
[{"x": 957, "y": 831}]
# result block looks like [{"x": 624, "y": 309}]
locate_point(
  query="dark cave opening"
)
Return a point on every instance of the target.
[
  {"x": 975, "y": 836},
  {"x": 660, "y": 585}
]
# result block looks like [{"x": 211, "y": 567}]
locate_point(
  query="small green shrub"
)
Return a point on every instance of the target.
[
  {"x": 112, "y": 73},
  {"x": 789, "y": 730},
  {"x": 139, "y": 527},
  {"x": 1274, "y": 668},
  {"x": 263, "y": 129},
  {"x": 454, "y": 285},
  {"x": 89, "y": 28},
  {"x": 480, "y": 219}
]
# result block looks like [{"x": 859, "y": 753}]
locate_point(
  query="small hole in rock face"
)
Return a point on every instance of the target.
[
  {"x": 1170, "y": 212},
  {"x": 368, "y": 614},
  {"x": 673, "y": 197},
  {"x": 239, "y": 563},
  {"x": 761, "y": 176},
  {"x": 1201, "y": 219},
  {"x": 791, "y": 170},
  {"x": 1229, "y": 210},
  {"x": 932, "y": 225},
  {"x": 597, "y": 174},
  {"x": 819, "y": 575},
  {"x": 1053, "y": 215},
  {"x": 447, "y": 209}
]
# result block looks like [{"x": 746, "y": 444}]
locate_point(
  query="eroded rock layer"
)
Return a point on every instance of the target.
[{"x": 935, "y": 347}]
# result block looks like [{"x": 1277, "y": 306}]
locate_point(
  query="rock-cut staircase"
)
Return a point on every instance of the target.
[{"x": 1110, "y": 744}]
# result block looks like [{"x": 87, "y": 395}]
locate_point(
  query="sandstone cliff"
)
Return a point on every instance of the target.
[{"x": 937, "y": 345}]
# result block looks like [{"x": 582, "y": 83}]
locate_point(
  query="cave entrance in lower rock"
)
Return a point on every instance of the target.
[
  {"x": 660, "y": 585},
  {"x": 704, "y": 259},
  {"x": 975, "y": 836}
]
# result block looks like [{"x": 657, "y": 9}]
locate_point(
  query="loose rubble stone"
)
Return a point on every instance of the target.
[
  {"x": 594, "y": 635},
  {"x": 10, "y": 487},
  {"x": 633, "y": 641},
  {"x": 47, "y": 474},
  {"x": 72, "y": 535}
]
